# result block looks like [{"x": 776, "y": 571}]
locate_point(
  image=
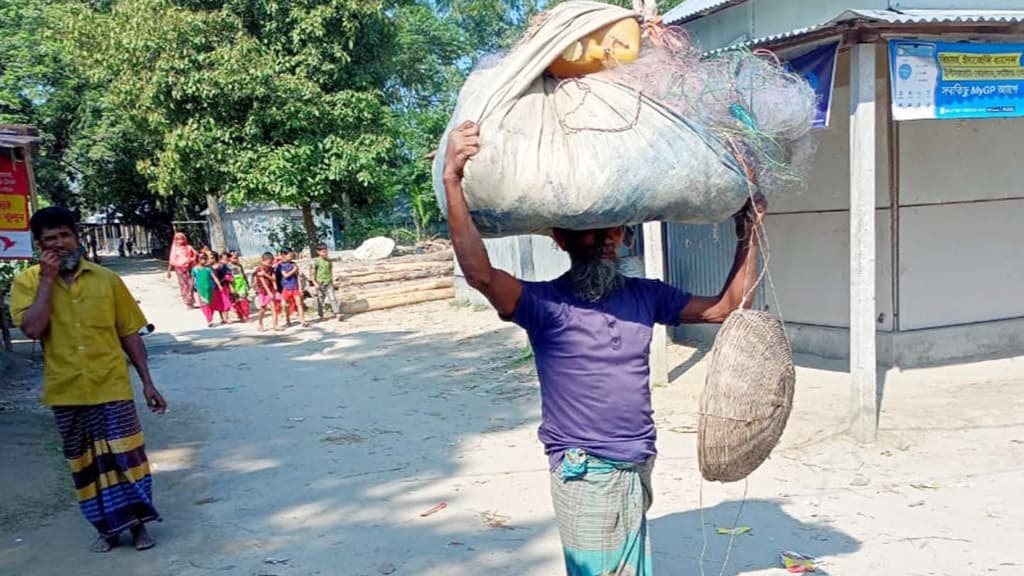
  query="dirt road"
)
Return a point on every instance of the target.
[{"x": 316, "y": 451}]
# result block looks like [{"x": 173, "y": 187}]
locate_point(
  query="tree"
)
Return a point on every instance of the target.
[
  {"x": 160, "y": 108},
  {"x": 437, "y": 45},
  {"x": 240, "y": 100},
  {"x": 37, "y": 87}
]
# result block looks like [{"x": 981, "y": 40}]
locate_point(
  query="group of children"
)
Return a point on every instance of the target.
[{"x": 222, "y": 286}]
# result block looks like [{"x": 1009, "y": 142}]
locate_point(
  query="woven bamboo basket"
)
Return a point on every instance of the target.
[{"x": 747, "y": 396}]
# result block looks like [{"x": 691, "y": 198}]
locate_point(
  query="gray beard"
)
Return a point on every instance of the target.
[
  {"x": 594, "y": 279},
  {"x": 69, "y": 263}
]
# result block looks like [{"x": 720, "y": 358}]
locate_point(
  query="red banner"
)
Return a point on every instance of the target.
[{"x": 15, "y": 239}]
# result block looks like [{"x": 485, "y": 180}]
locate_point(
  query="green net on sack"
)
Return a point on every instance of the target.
[{"x": 745, "y": 98}]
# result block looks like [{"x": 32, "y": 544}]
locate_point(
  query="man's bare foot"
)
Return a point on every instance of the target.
[
  {"x": 142, "y": 539},
  {"x": 104, "y": 544},
  {"x": 341, "y": 317}
]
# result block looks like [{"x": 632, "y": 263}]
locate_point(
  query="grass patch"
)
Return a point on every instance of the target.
[{"x": 522, "y": 359}]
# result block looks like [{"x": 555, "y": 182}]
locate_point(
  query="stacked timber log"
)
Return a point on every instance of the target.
[{"x": 395, "y": 282}]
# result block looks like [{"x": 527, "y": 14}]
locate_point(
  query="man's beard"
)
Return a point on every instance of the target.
[
  {"x": 69, "y": 262},
  {"x": 594, "y": 278}
]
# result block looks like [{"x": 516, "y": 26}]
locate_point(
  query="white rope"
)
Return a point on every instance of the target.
[
  {"x": 764, "y": 274},
  {"x": 732, "y": 531}
]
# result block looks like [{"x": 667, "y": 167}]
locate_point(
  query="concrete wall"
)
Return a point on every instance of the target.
[
  {"x": 809, "y": 230},
  {"x": 247, "y": 230},
  {"x": 959, "y": 203},
  {"x": 525, "y": 257},
  {"x": 961, "y": 208}
]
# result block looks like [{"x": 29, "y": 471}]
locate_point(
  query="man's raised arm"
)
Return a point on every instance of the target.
[
  {"x": 500, "y": 288},
  {"x": 742, "y": 279}
]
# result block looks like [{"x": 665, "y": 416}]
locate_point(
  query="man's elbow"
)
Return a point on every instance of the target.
[
  {"x": 30, "y": 332},
  {"x": 720, "y": 311},
  {"x": 715, "y": 316},
  {"x": 479, "y": 282}
]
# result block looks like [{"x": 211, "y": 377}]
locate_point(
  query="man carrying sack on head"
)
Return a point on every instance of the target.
[
  {"x": 87, "y": 321},
  {"x": 591, "y": 334}
]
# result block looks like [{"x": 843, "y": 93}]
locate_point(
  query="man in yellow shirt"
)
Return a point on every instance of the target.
[{"x": 87, "y": 321}]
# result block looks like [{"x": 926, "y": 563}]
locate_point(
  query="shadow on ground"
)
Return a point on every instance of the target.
[
  {"x": 316, "y": 452},
  {"x": 677, "y": 540}
]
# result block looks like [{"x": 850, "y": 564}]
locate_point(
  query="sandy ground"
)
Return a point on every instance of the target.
[{"x": 314, "y": 453}]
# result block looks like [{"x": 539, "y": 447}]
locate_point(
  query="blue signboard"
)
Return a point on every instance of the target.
[
  {"x": 818, "y": 67},
  {"x": 955, "y": 80}
]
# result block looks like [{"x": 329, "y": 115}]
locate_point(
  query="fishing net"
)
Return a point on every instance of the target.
[
  {"x": 669, "y": 136},
  {"x": 742, "y": 97}
]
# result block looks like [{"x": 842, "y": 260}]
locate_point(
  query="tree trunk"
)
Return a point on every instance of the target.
[
  {"x": 385, "y": 302},
  {"x": 217, "y": 238},
  {"x": 396, "y": 289},
  {"x": 439, "y": 256},
  {"x": 310, "y": 226},
  {"x": 348, "y": 239},
  {"x": 353, "y": 272},
  {"x": 417, "y": 274}
]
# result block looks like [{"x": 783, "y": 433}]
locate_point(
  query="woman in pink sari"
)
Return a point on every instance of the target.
[{"x": 182, "y": 259}]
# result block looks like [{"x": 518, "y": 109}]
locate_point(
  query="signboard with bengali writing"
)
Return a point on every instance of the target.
[
  {"x": 937, "y": 80},
  {"x": 15, "y": 238}
]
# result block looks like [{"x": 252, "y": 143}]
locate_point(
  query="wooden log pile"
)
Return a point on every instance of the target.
[{"x": 395, "y": 282}]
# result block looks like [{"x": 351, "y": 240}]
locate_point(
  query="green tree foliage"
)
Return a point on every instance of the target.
[
  {"x": 151, "y": 106},
  {"x": 36, "y": 88}
]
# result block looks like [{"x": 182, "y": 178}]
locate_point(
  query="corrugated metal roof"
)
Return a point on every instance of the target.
[
  {"x": 693, "y": 8},
  {"x": 936, "y": 16},
  {"x": 892, "y": 17},
  {"x": 17, "y": 140}
]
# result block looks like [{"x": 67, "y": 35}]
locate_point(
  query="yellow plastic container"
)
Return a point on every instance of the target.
[{"x": 617, "y": 42}]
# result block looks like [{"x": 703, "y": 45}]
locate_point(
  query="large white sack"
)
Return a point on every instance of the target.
[{"x": 582, "y": 153}]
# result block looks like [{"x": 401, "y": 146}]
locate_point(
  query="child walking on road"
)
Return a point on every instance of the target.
[
  {"x": 207, "y": 288},
  {"x": 291, "y": 292},
  {"x": 222, "y": 270},
  {"x": 321, "y": 273},
  {"x": 239, "y": 287},
  {"x": 266, "y": 289}
]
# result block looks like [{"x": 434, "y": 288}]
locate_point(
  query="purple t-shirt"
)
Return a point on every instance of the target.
[
  {"x": 291, "y": 282},
  {"x": 593, "y": 362}
]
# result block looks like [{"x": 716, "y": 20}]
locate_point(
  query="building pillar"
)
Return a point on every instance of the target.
[
  {"x": 863, "y": 364},
  {"x": 654, "y": 268}
]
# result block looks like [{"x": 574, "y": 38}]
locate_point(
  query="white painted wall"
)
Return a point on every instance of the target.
[
  {"x": 248, "y": 229},
  {"x": 810, "y": 267},
  {"x": 721, "y": 29},
  {"x": 548, "y": 262},
  {"x": 961, "y": 263},
  {"x": 962, "y": 204},
  {"x": 809, "y": 232},
  {"x": 960, "y": 160}
]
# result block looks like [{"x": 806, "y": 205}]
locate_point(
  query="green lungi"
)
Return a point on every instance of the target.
[{"x": 601, "y": 507}]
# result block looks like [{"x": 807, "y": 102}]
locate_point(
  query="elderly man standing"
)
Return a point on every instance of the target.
[
  {"x": 87, "y": 321},
  {"x": 591, "y": 334}
]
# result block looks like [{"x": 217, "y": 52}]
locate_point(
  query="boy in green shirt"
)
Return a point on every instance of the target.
[{"x": 321, "y": 273}]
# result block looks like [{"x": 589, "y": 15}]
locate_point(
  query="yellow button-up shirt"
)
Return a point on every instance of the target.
[{"x": 84, "y": 361}]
